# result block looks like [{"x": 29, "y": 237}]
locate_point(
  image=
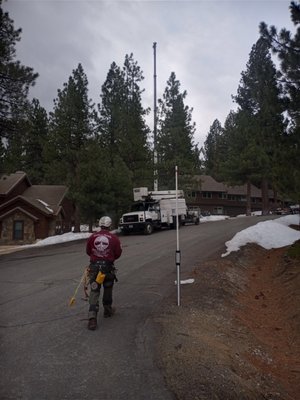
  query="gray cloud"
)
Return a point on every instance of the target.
[{"x": 206, "y": 43}]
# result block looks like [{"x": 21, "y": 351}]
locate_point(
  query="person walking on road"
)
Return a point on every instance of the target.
[{"x": 103, "y": 248}]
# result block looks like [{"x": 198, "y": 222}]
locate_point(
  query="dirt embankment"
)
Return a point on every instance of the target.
[{"x": 236, "y": 334}]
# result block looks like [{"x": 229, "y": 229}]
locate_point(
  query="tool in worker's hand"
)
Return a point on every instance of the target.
[{"x": 72, "y": 300}]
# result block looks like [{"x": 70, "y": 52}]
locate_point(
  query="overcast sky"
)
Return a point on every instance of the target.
[{"x": 206, "y": 43}]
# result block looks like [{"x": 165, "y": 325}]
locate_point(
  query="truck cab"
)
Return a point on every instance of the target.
[
  {"x": 143, "y": 217},
  {"x": 152, "y": 210}
]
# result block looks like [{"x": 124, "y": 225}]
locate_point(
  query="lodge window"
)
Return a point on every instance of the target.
[
  {"x": 207, "y": 195},
  {"x": 222, "y": 195},
  {"x": 191, "y": 195},
  {"x": 18, "y": 231}
]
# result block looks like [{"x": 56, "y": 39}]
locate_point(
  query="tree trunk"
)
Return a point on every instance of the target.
[
  {"x": 248, "y": 205},
  {"x": 275, "y": 204},
  {"x": 77, "y": 219},
  {"x": 265, "y": 196}
]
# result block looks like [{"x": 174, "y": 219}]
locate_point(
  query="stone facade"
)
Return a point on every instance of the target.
[
  {"x": 7, "y": 234},
  {"x": 32, "y": 212}
]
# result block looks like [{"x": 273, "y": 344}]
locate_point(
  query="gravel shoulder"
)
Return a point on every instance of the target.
[{"x": 236, "y": 334}]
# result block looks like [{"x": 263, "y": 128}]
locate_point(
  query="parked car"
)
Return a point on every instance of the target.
[
  {"x": 282, "y": 211},
  {"x": 295, "y": 209}
]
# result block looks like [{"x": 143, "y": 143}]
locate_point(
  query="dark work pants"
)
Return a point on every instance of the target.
[{"x": 95, "y": 292}]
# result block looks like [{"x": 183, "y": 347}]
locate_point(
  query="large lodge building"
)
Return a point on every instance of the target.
[{"x": 219, "y": 199}]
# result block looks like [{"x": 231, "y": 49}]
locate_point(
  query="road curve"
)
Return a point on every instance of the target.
[{"x": 47, "y": 353}]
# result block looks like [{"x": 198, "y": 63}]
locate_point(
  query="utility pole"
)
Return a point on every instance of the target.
[{"x": 155, "y": 124}]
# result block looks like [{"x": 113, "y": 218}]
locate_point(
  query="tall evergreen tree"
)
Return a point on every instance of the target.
[
  {"x": 175, "y": 146},
  {"x": 122, "y": 122},
  {"x": 287, "y": 48},
  {"x": 212, "y": 148},
  {"x": 15, "y": 79},
  {"x": 111, "y": 127},
  {"x": 35, "y": 139},
  {"x": 71, "y": 127},
  {"x": 237, "y": 166},
  {"x": 103, "y": 184},
  {"x": 111, "y": 109},
  {"x": 135, "y": 149},
  {"x": 13, "y": 143},
  {"x": 259, "y": 98}
]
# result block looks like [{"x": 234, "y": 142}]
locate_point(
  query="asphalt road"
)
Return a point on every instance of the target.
[{"x": 46, "y": 351}]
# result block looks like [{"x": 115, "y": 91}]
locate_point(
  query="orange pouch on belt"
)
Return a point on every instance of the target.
[{"x": 100, "y": 278}]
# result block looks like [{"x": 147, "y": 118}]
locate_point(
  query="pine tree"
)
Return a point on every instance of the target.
[
  {"x": 237, "y": 166},
  {"x": 13, "y": 143},
  {"x": 212, "y": 148},
  {"x": 117, "y": 144},
  {"x": 103, "y": 185},
  {"x": 175, "y": 146},
  {"x": 35, "y": 139},
  {"x": 71, "y": 127},
  {"x": 287, "y": 48},
  {"x": 15, "y": 79},
  {"x": 113, "y": 98},
  {"x": 122, "y": 124},
  {"x": 259, "y": 98},
  {"x": 111, "y": 128},
  {"x": 135, "y": 149}
]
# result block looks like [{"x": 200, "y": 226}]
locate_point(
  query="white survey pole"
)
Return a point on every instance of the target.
[
  {"x": 177, "y": 256},
  {"x": 155, "y": 184}
]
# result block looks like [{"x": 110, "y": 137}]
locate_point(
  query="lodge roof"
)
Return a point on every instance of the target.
[{"x": 209, "y": 184}]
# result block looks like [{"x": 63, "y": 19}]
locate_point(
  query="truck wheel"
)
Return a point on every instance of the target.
[
  {"x": 148, "y": 228},
  {"x": 197, "y": 221}
]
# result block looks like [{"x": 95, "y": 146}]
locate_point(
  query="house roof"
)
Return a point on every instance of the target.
[
  {"x": 9, "y": 182},
  {"x": 242, "y": 190},
  {"x": 47, "y": 198},
  {"x": 209, "y": 184}
]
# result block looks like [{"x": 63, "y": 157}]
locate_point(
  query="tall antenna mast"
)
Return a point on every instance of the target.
[{"x": 155, "y": 124}]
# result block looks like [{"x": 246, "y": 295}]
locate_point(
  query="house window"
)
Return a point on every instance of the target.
[
  {"x": 191, "y": 195},
  {"x": 207, "y": 195},
  {"x": 18, "y": 231}
]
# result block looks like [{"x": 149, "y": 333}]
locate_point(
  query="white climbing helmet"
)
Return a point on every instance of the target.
[{"x": 105, "y": 221}]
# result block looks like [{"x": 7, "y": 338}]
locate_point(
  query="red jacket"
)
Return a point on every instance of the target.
[{"x": 103, "y": 245}]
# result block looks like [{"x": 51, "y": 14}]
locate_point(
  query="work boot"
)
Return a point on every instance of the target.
[
  {"x": 108, "y": 311},
  {"x": 92, "y": 325}
]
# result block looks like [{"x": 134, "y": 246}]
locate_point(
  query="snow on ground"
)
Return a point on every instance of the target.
[
  {"x": 65, "y": 237},
  {"x": 268, "y": 234}
]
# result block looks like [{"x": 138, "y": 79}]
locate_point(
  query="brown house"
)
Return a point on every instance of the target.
[
  {"x": 217, "y": 198},
  {"x": 30, "y": 212}
]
